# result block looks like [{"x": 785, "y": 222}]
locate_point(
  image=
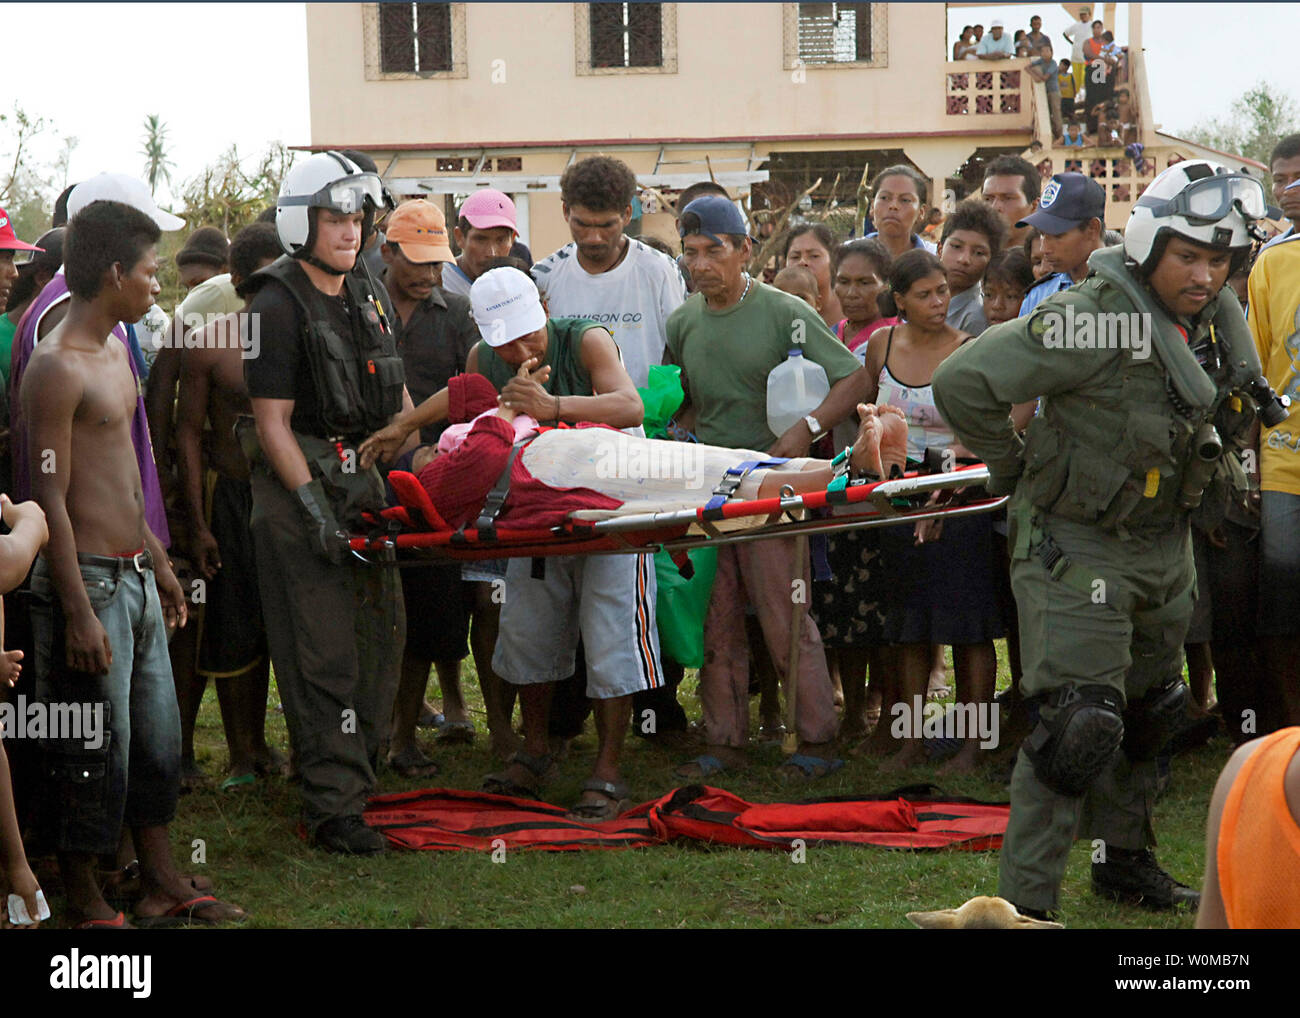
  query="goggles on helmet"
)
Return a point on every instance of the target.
[
  {"x": 346, "y": 195},
  {"x": 1212, "y": 199}
]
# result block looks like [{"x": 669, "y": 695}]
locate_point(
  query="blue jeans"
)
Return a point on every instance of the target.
[{"x": 133, "y": 775}]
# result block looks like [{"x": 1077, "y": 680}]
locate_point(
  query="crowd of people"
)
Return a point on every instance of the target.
[{"x": 341, "y": 336}]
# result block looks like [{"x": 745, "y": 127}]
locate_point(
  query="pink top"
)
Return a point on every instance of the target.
[{"x": 860, "y": 338}]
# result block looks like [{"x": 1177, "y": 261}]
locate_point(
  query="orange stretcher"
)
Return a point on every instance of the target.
[{"x": 416, "y": 525}]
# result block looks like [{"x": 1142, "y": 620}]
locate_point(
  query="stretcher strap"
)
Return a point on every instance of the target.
[
  {"x": 726, "y": 488},
  {"x": 496, "y": 498}
]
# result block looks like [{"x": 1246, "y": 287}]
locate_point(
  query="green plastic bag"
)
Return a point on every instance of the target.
[
  {"x": 682, "y": 604},
  {"x": 662, "y": 397}
]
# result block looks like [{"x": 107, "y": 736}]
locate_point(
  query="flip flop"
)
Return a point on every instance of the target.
[
  {"x": 809, "y": 767},
  {"x": 707, "y": 765},
  {"x": 430, "y": 720},
  {"x": 184, "y": 913},
  {"x": 238, "y": 781},
  {"x": 118, "y": 922}
]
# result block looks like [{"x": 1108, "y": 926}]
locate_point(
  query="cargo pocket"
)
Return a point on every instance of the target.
[
  {"x": 1093, "y": 482},
  {"x": 1147, "y": 443},
  {"x": 1046, "y": 465},
  {"x": 78, "y": 778}
]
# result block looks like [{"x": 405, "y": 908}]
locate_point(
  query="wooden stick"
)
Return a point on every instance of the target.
[{"x": 790, "y": 744}]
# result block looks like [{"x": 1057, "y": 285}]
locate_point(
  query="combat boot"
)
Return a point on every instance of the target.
[
  {"x": 1135, "y": 877},
  {"x": 349, "y": 835}
]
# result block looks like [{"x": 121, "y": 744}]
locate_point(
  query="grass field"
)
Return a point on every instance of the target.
[{"x": 256, "y": 859}]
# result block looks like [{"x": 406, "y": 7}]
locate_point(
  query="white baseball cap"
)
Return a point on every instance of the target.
[
  {"x": 506, "y": 306},
  {"x": 124, "y": 188},
  {"x": 996, "y": 23}
]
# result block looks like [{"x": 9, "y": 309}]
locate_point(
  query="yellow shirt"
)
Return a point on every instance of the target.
[{"x": 1275, "y": 323}]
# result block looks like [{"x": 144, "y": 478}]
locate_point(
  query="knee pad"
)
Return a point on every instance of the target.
[
  {"x": 1151, "y": 722},
  {"x": 1076, "y": 745}
]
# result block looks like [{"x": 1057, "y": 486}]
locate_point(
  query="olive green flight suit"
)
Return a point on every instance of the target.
[{"x": 1099, "y": 475}]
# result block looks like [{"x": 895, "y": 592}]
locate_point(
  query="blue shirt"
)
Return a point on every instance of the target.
[
  {"x": 1040, "y": 291},
  {"x": 1281, "y": 237}
]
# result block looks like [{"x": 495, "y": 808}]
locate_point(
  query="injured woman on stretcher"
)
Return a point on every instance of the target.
[{"x": 591, "y": 471}]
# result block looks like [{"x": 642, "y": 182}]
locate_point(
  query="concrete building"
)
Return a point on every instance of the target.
[{"x": 765, "y": 97}]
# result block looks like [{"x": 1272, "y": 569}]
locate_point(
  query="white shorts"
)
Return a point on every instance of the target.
[{"x": 609, "y": 599}]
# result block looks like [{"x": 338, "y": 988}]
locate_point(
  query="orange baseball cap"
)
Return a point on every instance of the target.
[{"x": 419, "y": 229}]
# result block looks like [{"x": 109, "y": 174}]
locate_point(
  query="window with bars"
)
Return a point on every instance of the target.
[
  {"x": 414, "y": 38},
  {"x": 834, "y": 33},
  {"x": 626, "y": 35}
]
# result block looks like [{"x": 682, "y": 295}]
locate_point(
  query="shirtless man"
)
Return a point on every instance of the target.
[
  {"x": 232, "y": 645},
  {"x": 104, "y": 592}
]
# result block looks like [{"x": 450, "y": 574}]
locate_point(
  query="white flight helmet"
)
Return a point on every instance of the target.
[
  {"x": 328, "y": 180},
  {"x": 1200, "y": 201}
]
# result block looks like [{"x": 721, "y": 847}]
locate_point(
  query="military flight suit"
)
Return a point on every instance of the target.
[
  {"x": 1102, "y": 565},
  {"x": 335, "y": 629}
]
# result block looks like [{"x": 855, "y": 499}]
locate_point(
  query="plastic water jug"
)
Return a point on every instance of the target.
[{"x": 795, "y": 388}]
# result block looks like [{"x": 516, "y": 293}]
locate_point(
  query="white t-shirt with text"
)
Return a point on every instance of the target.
[{"x": 632, "y": 300}]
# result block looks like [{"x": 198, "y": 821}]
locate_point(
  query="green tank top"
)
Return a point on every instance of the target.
[{"x": 563, "y": 354}]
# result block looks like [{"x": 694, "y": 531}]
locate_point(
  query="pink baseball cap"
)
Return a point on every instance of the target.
[{"x": 488, "y": 209}]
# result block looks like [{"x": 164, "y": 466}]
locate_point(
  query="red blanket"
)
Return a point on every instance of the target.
[{"x": 915, "y": 817}]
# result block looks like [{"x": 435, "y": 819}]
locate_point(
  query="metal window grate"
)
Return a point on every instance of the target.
[
  {"x": 415, "y": 38},
  {"x": 626, "y": 35},
  {"x": 411, "y": 40},
  {"x": 834, "y": 33},
  {"x": 625, "y": 38}
]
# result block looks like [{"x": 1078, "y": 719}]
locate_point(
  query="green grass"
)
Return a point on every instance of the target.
[{"x": 254, "y": 855}]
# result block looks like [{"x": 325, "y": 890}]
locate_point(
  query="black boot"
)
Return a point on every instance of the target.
[
  {"x": 1135, "y": 877},
  {"x": 349, "y": 835}
]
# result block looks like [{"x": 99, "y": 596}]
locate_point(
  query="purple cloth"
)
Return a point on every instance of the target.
[{"x": 24, "y": 343}]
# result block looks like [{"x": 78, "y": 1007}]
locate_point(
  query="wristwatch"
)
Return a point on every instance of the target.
[{"x": 814, "y": 425}]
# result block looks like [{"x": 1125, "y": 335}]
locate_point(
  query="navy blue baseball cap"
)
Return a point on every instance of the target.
[
  {"x": 712, "y": 215},
  {"x": 1068, "y": 200}
]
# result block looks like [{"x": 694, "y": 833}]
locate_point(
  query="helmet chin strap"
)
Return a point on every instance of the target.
[{"x": 311, "y": 259}]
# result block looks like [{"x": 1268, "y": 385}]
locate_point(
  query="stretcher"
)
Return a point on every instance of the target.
[{"x": 415, "y": 525}]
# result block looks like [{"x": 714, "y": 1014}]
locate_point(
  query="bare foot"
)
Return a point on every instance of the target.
[
  {"x": 911, "y": 755},
  {"x": 893, "y": 439},
  {"x": 967, "y": 760},
  {"x": 865, "y": 456}
]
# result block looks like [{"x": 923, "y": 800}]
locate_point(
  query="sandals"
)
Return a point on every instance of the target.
[
  {"x": 413, "y": 764},
  {"x": 617, "y": 801},
  {"x": 705, "y": 766},
  {"x": 186, "y": 912},
  {"x": 450, "y": 732},
  {"x": 118, "y": 922},
  {"x": 502, "y": 784},
  {"x": 808, "y": 767}
]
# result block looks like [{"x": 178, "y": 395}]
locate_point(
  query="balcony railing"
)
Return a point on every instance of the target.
[{"x": 988, "y": 93}]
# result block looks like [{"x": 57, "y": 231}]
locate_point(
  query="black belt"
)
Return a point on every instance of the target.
[{"x": 140, "y": 561}]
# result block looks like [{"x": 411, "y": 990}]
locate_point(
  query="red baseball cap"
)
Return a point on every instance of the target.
[{"x": 9, "y": 240}]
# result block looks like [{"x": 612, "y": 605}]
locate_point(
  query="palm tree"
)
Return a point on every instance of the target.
[{"x": 158, "y": 166}]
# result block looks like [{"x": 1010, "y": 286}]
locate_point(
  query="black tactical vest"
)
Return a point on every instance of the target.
[{"x": 359, "y": 377}]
